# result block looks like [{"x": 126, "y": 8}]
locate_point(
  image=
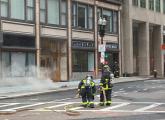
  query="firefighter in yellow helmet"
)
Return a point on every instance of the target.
[
  {"x": 87, "y": 90},
  {"x": 105, "y": 87}
]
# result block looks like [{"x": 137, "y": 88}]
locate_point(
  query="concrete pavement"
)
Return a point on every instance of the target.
[{"x": 18, "y": 90}]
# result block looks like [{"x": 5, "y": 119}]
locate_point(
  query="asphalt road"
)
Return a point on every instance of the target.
[{"x": 139, "y": 100}]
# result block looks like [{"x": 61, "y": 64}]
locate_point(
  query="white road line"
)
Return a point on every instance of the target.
[
  {"x": 22, "y": 107},
  {"x": 76, "y": 108},
  {"x": 116, "y": 106},
  {"x": 9, "y": 104},
  {"x": 148, "y": 107},
  {"x": 55, "y": 106}
]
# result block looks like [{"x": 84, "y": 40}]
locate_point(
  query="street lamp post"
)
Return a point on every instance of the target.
[{"x": 102, "y": 23}]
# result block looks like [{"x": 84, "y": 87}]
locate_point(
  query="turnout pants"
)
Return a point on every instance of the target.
[
  {"x": 108, "y": 94},
  {"x": 87, "y": 96}
]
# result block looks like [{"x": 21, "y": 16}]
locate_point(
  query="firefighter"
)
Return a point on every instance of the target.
[
  {"x": 116, "y": 69},
  {"x": 105, "y": 87},
  {"x": 87, "y": 89}
]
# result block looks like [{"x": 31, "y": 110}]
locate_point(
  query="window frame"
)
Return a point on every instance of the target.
[
  {"x": 164, "y": 6},
  {"x": 135, "y": 2},
  {"x": 76, "y": 4},
  {"x": 143, "y": 3},
  {"x": 151, "y": 5},
  {"x": 25, "y": 13},
  {"x": 84, "y": 53},
  {"x": 157, "y": 6},
  {"x": 26, "y": 10},
  {"x": 112, "y": 11},
  {"x": 7, "y": 3}
]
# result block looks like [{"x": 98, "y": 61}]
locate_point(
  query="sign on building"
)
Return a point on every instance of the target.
[{"x": 102, "y": 48}]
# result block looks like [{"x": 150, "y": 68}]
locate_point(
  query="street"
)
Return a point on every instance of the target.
[{"x": 138, "y": 100}]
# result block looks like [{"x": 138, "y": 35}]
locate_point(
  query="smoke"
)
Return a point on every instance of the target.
[{"x": 26, "y": 78}]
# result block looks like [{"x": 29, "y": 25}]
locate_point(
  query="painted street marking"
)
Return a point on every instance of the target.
[
  {"x": 9, "y": 104},
  {"x": 22, "y": 107},
  {"x": 148, "y": 107},
  {"x": 76, "y": 108},
  {"x": 55, "y": 106},
  {"x": 109, "y": 109},
  {"x": 116, "y": 106}
]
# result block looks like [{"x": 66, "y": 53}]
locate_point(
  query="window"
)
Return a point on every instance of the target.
[
  {"x": 4, "y": 8},
  {"x": 82, "y": 16},
  {"x": 30, "y": 10},
  {"x": 74, "y": 15},
  {"x": 115, "y": 22},
  {"x": 17, "y": 9},
  {"x": 163, "y": 6},
  {"x": 107, "y": 14},
  {"x": 83, "y": 61},
  {"x": 56, "y": 12},
  {"x": 90, "y": 18},
  {"x": 143, "y": 3},
  {"x": 42, "y": 11},
  {"x": 18, "y": 64},
  {"x": 135, "y": 2},
  {"x": 111, "y": 17},
  {"x": 157, "y": 6},
  {"x": 53, "y": 12},
  {"x": 63, "y": 12},
  {"x": 151, "y": 4}
]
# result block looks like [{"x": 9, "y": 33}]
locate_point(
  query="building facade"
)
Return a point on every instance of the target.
[
  {"x": 142, "y": 36},
  {"x": 57, "y": 38}
]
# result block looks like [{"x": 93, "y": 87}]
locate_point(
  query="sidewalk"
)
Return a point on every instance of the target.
[{"x": 38, "y": 88}]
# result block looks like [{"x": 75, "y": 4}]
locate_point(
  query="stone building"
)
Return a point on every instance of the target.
[
  {"x": 60, "y": 37},
  {"x": 142, "y": 36}
]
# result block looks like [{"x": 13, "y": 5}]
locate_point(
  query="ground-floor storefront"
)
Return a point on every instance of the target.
[
  {"x": 17, "y": 56},
  {"x": 53, "y": 59}
]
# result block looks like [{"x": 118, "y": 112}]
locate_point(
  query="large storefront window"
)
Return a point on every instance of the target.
[
  {"x": 17, "y": 9},
  {"x": 82, "y": 16},
  {"x": 83, "y": 61},
  {"x": 18, "y": 64}
]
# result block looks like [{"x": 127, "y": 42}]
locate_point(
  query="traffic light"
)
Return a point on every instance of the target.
[
  {"x": 106, "y": 55},
  {"x": 106, "y": 58}
]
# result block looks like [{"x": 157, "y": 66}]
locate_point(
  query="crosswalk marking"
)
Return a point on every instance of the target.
[
  {"x": 116, "y": 106},
  {"x": 55, "y": 106},
  {"x": 9, "y": 104},
  {"x": 148, "y": 107},
  {"x": 22, "y": 107}
]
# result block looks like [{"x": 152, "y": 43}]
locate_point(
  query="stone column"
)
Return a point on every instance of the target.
[
  {"x": 96, "y": 39},
  {"x": 158, "y": 53},
  {"x": 127, "y": 59},
  {"x": 69, "y": 33},
  {"x": 127, "y": 38},
  {"x": 37, "y": 34},
  {"x": 143, "y": 50}
]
